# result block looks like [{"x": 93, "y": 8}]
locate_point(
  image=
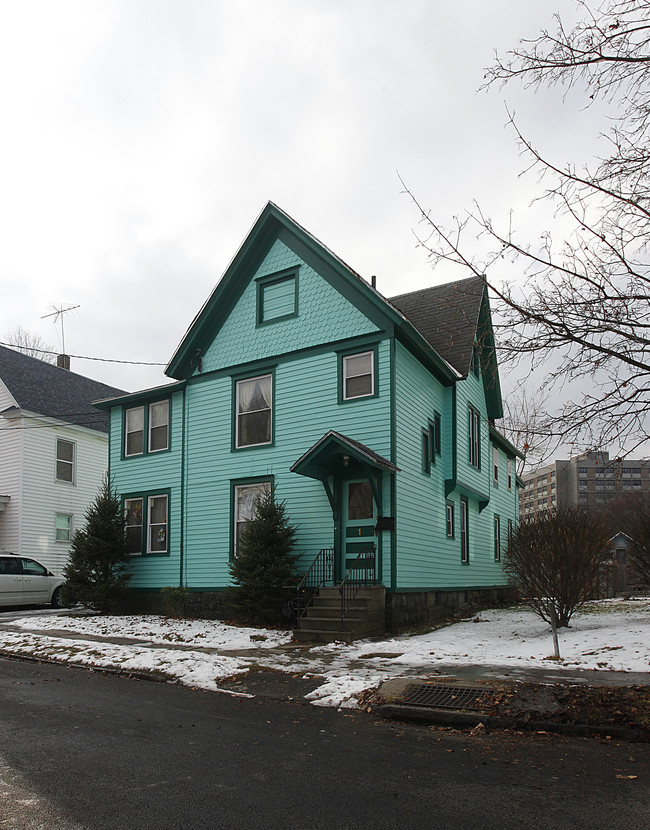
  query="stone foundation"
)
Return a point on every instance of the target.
[{"x": 404, "y": 609}]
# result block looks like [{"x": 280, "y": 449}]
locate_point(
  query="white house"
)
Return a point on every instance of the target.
[{"x": 53, "y": 454}]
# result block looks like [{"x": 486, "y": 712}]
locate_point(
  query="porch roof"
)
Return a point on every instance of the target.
[{"x": 328, "y": 456}]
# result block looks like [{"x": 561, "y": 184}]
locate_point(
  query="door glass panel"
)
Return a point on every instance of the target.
[{"x": 360, "y": 505}]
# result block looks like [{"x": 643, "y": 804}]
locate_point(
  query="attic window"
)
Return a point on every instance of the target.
[{"x": 277, "y": 297}]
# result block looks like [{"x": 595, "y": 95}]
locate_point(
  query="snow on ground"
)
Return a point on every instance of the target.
[{"x": 609, "y": 635}]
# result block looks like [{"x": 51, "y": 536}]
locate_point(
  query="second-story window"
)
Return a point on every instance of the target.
[
  {"x": 134, "y": 435},
  {"x": 158, "y": 426},
  {"x": 495, "y": 465},
  {"x": 358, "y": 375},
  {"x": 151, "y": 420},
  {"x": 474, "y": 437},
  {"x": 254, "y": 411},
  {"x": 65, "y": 460},
  {"x": 509, "y": 474}
]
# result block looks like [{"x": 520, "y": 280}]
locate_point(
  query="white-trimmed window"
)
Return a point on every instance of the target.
[
  {"x": 65, "y": 460},
  {"x": 358, "y": 375},
  {"x": 495, "y": 464},
  {"x": 245, "y": 502},
  {"x": 133, "y": 525},
  {"x": 158, "y": 426},
  {"x": 63, "y": 527},
  {"x": 254, "y": 411},
  {"x": 510, "y": 474},
  {"x": 157, "y": 524},
  {"x": 134, "y": 431}
]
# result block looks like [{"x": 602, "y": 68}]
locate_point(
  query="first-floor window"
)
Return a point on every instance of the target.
[
  {"x": 246, "y": 496},
  {"x": 133, "y": 525},
  {"x": 450, "y": 519},
  {"x": 63, "y": 527},
  {"x": 497, "y": 539},
  {"x": 464, "y": 531},
  {"x": 157, "y": 524}
]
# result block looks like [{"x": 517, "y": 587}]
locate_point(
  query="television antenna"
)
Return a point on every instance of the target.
[{"x": 58, "y": 315}]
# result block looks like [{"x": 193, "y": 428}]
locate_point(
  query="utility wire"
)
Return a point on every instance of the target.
[{"x": 83, "y": 357}]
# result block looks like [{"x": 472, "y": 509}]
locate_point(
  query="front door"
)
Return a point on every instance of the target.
[{"x": 359, "y": 520}]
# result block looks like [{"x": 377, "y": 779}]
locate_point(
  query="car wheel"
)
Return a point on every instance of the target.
[{"x": 56, "y": 599}]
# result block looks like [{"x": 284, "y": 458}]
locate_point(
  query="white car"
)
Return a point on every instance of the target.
[{"x": 24, "y": 581}]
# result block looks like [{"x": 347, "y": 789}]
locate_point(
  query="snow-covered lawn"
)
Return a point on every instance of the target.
[{"x": 608, "y": 635}]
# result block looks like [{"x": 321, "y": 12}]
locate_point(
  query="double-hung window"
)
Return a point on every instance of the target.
[
  {"x": 358, "y": 375},
  {"x": 65, "y": 460},
  {"x": 134, "y": 431},
  {"x": 464, "y": 531},
  {"x": 495, "y": 465},
  {"x": 450, "y": 519},
  {"x": 474, "y": 437},
  {"x": 497, "y": 538},
  {"x": 151, "y": 420},
  {"x": 133, "y": 525},
  {"x": 245, "y": 502},
  {"x": 157, "y": 524},
  {"x": 158, "y": 426},
  {"x": 254, "y": 407},
  {"x": 63, "y": 528},
  {"x": 510, "y": 474}
]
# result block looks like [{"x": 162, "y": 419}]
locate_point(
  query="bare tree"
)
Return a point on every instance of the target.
[
  {"x": 631, "y": 515},
  {"x": 585, "y": 303},
  {"x": 524, "y": 419},
  {"x": 555, "y": 561},
  {"x": 30, "y": 344}
]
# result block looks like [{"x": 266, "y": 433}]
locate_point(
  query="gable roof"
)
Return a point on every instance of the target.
[
  {"x": 46, "y": 389},
  {"x": 439, "y": 324},
  {"x": 274, "y": 223},
  {"x": 447, "y": 316}
]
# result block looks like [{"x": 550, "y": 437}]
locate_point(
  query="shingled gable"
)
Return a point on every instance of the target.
[
  {"x": 45, "y": 389},
  {"x": 272, "y": 224}
]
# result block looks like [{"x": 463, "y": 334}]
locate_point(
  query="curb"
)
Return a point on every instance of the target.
[
  {"x": 469, "y": 720},
  {"x": 153, "y": 677}
]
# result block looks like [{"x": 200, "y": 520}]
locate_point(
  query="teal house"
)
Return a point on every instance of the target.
[{"x": 373, "y": 419}]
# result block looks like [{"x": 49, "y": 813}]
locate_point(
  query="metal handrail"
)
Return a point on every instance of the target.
[
  {"x": 319, "y": 573},
  {"x": 365, "y": 565}
]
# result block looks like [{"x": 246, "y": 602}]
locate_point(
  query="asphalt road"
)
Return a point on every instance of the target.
[{"x": 81, "y": 749}]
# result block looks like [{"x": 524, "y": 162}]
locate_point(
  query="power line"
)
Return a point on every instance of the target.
[{"x": 84, "y": 357}]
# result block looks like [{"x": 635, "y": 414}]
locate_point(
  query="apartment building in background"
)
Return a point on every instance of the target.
[{"x": 588, "y": 480}]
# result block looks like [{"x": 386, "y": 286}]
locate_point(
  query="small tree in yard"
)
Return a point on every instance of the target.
[
  {"x": 555, "y": 561},
  {"x": 97, "y": 574},
  {"x": 263, "y": 563}
]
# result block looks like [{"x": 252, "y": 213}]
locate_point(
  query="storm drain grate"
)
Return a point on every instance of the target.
[{"x": 445, "y": 697}]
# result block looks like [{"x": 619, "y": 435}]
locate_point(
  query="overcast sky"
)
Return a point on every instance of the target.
[{"x": 141, "y": 139}]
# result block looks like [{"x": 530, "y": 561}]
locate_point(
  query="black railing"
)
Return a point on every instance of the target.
[
  {"x": 319, "y": 573},
  {"x": 363, "y": 571}
]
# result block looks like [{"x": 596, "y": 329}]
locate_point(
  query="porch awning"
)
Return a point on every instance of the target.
[{"x": 335, "y": 453}]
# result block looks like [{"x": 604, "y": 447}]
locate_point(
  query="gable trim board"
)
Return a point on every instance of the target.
[{"x": 320, "y": 440}]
